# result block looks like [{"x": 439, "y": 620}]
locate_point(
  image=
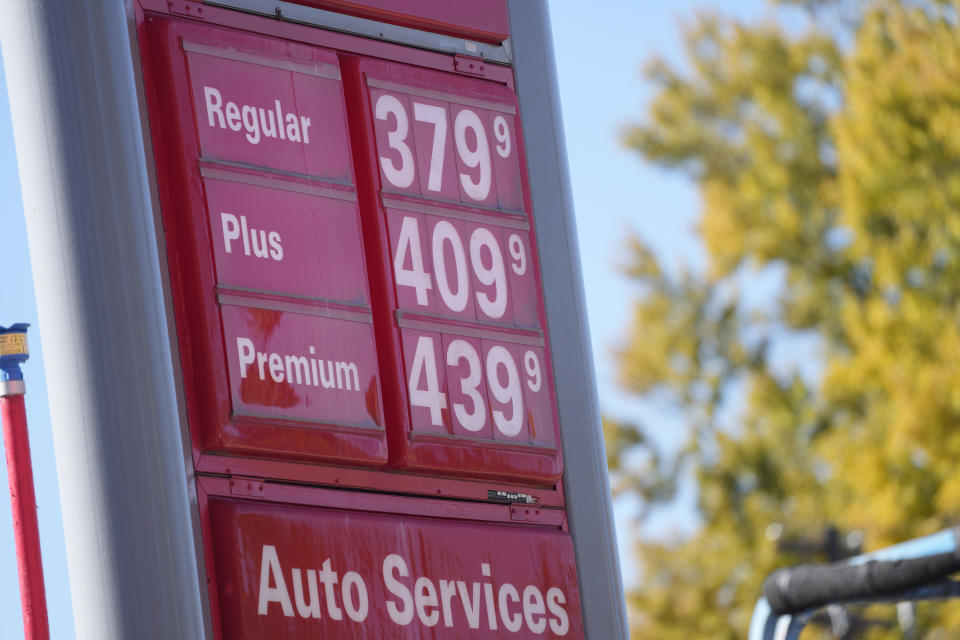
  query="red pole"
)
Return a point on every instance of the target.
[{"x": 24, "y": 505}]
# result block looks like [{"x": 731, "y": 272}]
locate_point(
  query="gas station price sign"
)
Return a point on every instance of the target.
[
  {"x": 355, "y": 284},
  {"x": 355, "y": 275}
]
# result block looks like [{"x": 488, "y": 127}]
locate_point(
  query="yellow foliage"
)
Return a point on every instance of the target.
[{"x": 833, "y": 157}]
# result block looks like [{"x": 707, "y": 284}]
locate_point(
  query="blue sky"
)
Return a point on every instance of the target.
[{"x": 600, "y": 48}]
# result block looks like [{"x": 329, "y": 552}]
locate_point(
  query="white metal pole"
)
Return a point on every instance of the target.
[
  {"x": 586, "y": 486},
  {"x": 129, "y": 529}
]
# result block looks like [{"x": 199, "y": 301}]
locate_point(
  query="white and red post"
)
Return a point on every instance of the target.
[{"x": 23, "y": 501}]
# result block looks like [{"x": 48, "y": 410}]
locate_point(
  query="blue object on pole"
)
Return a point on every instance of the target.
[{"x": 13, "y": 351}]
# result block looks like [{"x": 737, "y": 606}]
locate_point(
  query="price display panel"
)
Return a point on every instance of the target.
[
  {"x": 463, "y": 315},
  {"x": 265, "y": 249}
]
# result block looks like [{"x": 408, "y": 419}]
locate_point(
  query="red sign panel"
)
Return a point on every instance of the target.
[
  {"x": 285, "y": 237},
  {"x": 267, "y": 259},
  {"x": 352, "y": 256},
  {"x": 279, "y": 106},
  {"x": 293, "y": 366},
  {"x": 301, "y": 572}
]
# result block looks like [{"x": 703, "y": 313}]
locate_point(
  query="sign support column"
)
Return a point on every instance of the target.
[
  {"x": 586, "y": 486},
  {"x": 130, "y": 535}
]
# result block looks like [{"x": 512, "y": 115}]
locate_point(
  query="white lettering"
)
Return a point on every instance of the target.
[
  {"x": 448, "y": 590},
  {"x": 214, "y": 101},
  {"x": 246, "y": 353},
  {"x": 298, "y": 365},
  {"x": 305, "y": 122},
  {"x": 233, "y": 117},
  {"x": 257, "y": 122},
  {"x": 311, "y": 610},
  {"x": 276, "y": 367},
  {"x": 425, "y": 595},
  {"x": 559, "y": 624},
  {"x": 471, "y": 605},
  {"x": 231, "y": 230},
  {"x": 396, "y": 564},
  {"x": 488, "y": 597},
  {"x": 533, "y": 606},
  {"x": 268, "y": 124},
  {"x": 270, "y": 567},
  {"x": 246, "y": 237},
  {"x": 279, "y": 111},
  {"x": 357, "y": 611},
  {"x": 298, "y": 369},
  {"x": 293, "y": 128},
  {"x": 261, "y": 361},
  {"x": 276, "y": 250},
  {"x": 511, "y": 622},
  {"x": 328, "y": 578},
  {"x": 344, "y": 371},
  {"x": 255, "y": 241},
  {"x": 250, "y": 123},
  {"x": 409, "y": 596}
]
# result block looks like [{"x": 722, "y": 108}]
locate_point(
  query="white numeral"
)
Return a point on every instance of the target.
[
  {"x": 437, "y": 116},
  {"x": 503, "y": 382},
  {"x": 509, "y": 393},
  {"x": 479, "y": 157},
  {"x": 401, "y": 176},
  {"x": 463, "y": 350},
  {"x": 531, "y": 364},
  {"x": 425, "y": 366},
  {"x": 518, "y": 253},
  {"x": 486, "y": 262},
  {"x": 415, "y": 276},
  {"x": 473, "y": 150},
  {"x": 455, "y": 301},
  {"x": 502, "y": 133},
  {"x": 495, "y": 275}
]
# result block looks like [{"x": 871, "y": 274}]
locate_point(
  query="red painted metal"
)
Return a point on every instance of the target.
[
  {"x": 264, "y": 555},
  {"x": 242, "y": 21},
  {"x": 25, "y": 528},
  {"x": 476, "y": 489},
  {"x": 485, "y": 21}
]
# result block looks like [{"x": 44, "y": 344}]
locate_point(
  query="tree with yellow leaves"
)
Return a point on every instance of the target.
[{"x": 828, "y": 161}]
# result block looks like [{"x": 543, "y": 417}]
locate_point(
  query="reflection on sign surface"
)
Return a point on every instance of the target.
[
  {"x": 304, "y": 367},
  {"x": 282, "y": 240},
  {"x": 282, "y": 113}
]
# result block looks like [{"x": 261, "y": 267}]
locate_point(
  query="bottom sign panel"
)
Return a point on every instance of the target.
[{"x": 286, "y": 571}]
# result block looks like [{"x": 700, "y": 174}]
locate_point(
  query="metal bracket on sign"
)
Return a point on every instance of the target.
[
  {"x": 536, "y": 515},
  {"x": 186, "y": 8},
  {"x": 523, "y": 513},
  {"x": 470, "y": 66},
  {"x": 249, "y": 487},
  {"x": 297, "y": 12}
]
